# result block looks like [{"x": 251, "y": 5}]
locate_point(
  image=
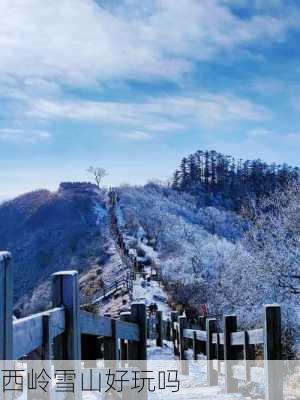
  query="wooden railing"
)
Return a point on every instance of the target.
[
  {"x": 65, "y": 332},
  {"x": 231, "y": 353},
  {"x": 110, "y": 289}
]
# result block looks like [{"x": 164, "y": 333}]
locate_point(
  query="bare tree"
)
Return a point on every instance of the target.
[{"x": 98, "y": 173}]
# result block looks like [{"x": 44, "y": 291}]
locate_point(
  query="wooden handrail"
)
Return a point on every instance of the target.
[{"x": 28, "y": 331}]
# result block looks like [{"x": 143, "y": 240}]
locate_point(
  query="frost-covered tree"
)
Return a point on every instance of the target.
[
  {"x": 98, "y": 173},
  {"x": 274, "y": 242}
]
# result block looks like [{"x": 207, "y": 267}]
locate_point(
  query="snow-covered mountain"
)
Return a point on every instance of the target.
[{"x": 232, "y": 262}]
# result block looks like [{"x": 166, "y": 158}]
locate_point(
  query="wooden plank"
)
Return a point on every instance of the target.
[
  {"x": 237, "y": 339},
  {"x": 6, "y": 307},
  {"x": 28, "y": 331},
  {"x": 200, "y": 335},
  {"x": 188, "y": 333},
  {"x": 27, "y": 335},
  {"x": 128, "y": 331},
  {"x": 92, "y": 324},
  {"x": 256, "y": 336}
]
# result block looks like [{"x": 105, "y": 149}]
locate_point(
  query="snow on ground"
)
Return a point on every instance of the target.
[
  {"x": 192, "y": 387},
  {"x": 152, "y": 293}
]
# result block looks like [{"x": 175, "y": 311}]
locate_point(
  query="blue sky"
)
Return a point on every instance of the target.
[{"x": 133, "y": 86}]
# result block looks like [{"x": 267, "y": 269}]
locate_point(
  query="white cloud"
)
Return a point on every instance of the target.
[
  {"x": 23, "y": 136},
  {"x": 79, "y": 43},
  {"x": 154, "y": 116},
  {"x": 138, "y": 135}
]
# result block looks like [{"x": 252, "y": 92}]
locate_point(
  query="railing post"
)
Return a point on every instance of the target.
[
  {"x": 45, "y": 362},
  {"x": 65, "y": 292},
  {"x": 195, "y": 346},
  {"x": 168, "y": 330},
  {"x": 111, "y": 346},
  {"x": 124, "y": 316},
  {"x": 230, "y": 325},
  {"x": 6, "y": 307},
  {"x": 183, "y": 361},
  {"x": 159, "y": 329},
  {"x": 212, "y": 375},
  {"x": 272, "y": 353},
  {"x": 249, "y": 356},
  {"x": 139, "y": 316},
  {"x": 89, "y": 350},
  {"x": 46, "y": 347},
  {"x": 174, "y": 318}
]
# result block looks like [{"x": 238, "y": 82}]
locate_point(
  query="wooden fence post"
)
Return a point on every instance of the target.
[
  {"x": 6, "y": 307},
  {"x": 46, "y": 347},
  {"x": 249, "y": 356},
  {"x": 195, "y": 345},
  {"x": 159, "y": 329},
  {"x": 272, "y": 353},
  {"x": 65, "y": 292},
  {"x": 111, "y": 346},
  {"x": 212, "y": 375},
  {"x": 45, "y": 363},
  {"x": 230, "y": 325},
  {"x": 139, "y": 316},
  {"x": 124, "y": 316},
  {"x": 174, "y": 318},
  {"x": 183, "y": 361},
  {"x": 168, "y": 330},
  {"x": 89, "y": 350}
]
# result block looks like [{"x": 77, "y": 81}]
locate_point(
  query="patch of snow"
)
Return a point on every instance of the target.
[{"x": 150, "y": 294}]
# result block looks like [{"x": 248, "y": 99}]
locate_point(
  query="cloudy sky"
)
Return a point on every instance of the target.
[{"x": 134, "y": 85}]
